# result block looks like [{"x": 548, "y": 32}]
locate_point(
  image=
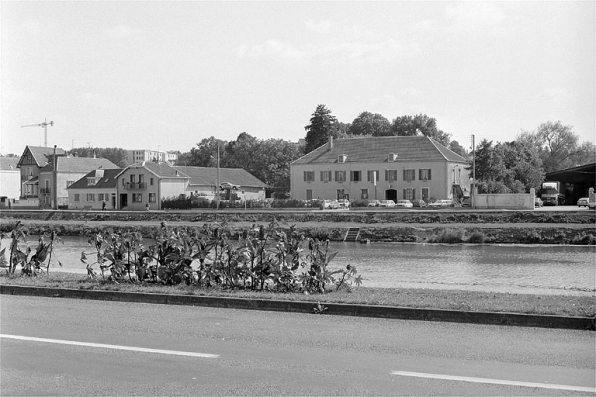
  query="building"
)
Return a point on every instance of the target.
[
  {"x": 68, "y": 171},
  {"x": 382, "y": 168},
  {"x": 142, "y": 155},
  {"x": 576, "y": 181},
  {"x": 143, "y": 186},
  {"x": 31, "y": 162},
  {"x": 94, "y": 189},
  {"x": 10, "y": 180}
]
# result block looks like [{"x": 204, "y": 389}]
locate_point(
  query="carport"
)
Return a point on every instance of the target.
[{"x": 576, "y": 181}]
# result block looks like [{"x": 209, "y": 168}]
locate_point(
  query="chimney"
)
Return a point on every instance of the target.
[{"x": 330, "y": 142}]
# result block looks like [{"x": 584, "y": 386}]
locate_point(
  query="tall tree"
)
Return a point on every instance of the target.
[
  {"x": 457, "y": 148},
  {"x": 115, "y": 155},
  {"x": 321, "y": 125},
  {"x": 419, "y": 124},
  {"x": 370, "y": 124},
  {"x": 205, "y": 154}
]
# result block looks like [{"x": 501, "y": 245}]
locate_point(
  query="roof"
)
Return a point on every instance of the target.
[
  {"x": 107, "y": 179},
  {"x": 377, "y": 149},
  {"x": 79, "y": 164},
  {"x": 207, "y": 176},
  {"x": 9, "y": 163},
  {"x": 163, "y": 170},
  {"x": 41, "y": 154}
]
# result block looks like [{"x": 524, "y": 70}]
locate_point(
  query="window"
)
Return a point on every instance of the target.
[
  {"x": 356, "y": 176},
  {"x": 152, "y": 198},
  {"x": 373, "y": 176},
  {"x": 137, "y": 197},
  {"x": 424, "y": 175},
  {"x": 132, "y": 178},
  {"x": 123, "y": 182},
  {"x": 151, "y": 181},
  {"x": 340, "y": 176},
  {"x": 341, "y": 194},
  {"x": 425, "y": 194},
  {"x": 100, "y": 196},
  {"x": 364, "y": 194},
  {"x": 325, "y": 176},
  {"x": 141, "y": 178},
  {"x": 68, "y": 183},
  {"x": 77, "y": 197},
  {"x": 391, "y": 175},
  {"x": 409, "y": 175},
  {"x": 409, "y": 193},
  {"x": 309, "y": 194},
  {"x": 90, "y": 196},
  {"x": 309, "y": 176}
]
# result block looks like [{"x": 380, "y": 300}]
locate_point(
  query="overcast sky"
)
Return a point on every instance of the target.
[{"x": 164, "y": 75}]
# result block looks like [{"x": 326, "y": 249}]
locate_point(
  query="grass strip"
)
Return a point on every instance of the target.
[{"x": 476, "y": 301}]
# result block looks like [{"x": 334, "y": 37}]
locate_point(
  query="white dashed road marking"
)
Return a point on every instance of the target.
[
  {"x": 115, "y": 347},
  {"x": 494, "y": 381}
]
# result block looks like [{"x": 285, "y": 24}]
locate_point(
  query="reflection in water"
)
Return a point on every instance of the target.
[{"x": 522, "y": 268}]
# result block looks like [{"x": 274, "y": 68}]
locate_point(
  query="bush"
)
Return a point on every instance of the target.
[
  {"x": 585, "y": 239},
  {"x": 477, "y": 238},
  {"x": 448, "y": 237}
]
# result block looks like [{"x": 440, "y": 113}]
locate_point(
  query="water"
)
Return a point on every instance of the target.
[{"x": 542, "y": 269}]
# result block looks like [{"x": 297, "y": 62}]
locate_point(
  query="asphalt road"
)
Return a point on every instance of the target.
[{"x": 113, "y": 348}]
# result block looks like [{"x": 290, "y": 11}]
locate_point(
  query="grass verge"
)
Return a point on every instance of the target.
[{"x": 581, "y": 306}]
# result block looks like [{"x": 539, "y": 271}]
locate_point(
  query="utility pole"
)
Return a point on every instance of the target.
[
  {"x": 55, "y": 187},
  {"x": 473, "y": 172},
  {"x": 44, "y": 125},
  {"x": 217, "y": 188}
]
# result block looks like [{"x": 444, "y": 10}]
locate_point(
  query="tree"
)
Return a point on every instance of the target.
[
  {"x": 419, "y": 124},
  {"x": 116, "y": 155},
  {"x": 321, "y": 125},
  {"x": 205, "y": 154},
  {"x": 370, "y": 124},
  {"x": 490, "y": 164},
  {"x": 457, "y": 148}
]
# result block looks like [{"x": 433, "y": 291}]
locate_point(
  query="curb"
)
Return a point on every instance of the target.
[{"x": 341, "y": 309}]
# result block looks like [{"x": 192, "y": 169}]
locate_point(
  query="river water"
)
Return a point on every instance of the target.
[{"x": 539, "y": 269}]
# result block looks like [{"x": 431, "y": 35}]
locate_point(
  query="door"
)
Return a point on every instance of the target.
[
  {"x": 391, "y": 194},
  {"x": 123, "y": 200}
]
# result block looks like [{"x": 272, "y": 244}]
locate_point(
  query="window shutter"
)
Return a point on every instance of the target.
[
  {"x": 429, "y": 174},
  {"x": 405, "y": 194},
  {"x": 413, "y": 194},
  {"x": 405, "y": 175}
]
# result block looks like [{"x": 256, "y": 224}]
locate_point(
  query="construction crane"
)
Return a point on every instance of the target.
[{"x": 44, "y": 125}]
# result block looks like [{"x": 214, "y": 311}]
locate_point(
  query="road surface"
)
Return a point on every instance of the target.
[{"x": 75, "y": 347}]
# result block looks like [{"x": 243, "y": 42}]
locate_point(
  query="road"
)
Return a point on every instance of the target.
[{"x": 113, "y": 348}]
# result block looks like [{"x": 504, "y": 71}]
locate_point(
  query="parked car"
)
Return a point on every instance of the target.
[
  {"x": 344, "y": 203},
  {"x": 330, "y": 204},
  {"x": 466, "y": 202},
  {"x": 373, "y": 203},
  {"x": 404, "y": 204},
  {"x": 387, "y": 203},
  {"x": 583, "y": 202},
  {"x": 441, "y": 204},
  {"x": 419, "y": 203},
  {"x": 538, "y": 202}
]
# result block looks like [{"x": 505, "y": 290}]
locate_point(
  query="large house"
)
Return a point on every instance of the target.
[
  {"x": 68, "y": 171},
  {"x": 10, "y": 181},
  {"x": 33, "y": 159},
  {"x": 142, "y": 155},
  {"x": 382, "y": 168},
  {"x": 144, "y": 185},
  {"x": 95, "y": 189}
]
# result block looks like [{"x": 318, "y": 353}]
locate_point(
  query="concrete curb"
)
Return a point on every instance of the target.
[{"x": 402, "y": 313}]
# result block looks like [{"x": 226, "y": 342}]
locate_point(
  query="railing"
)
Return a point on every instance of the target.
[
  {"x": 45, "y": 190},
  {"x": 135, "y": 185}
]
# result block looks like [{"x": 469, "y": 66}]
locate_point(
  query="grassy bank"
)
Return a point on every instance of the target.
[{"x": 582, "y": 306}]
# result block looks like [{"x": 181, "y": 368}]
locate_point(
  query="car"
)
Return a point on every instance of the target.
[
  {"x": 404, "y": 204},
  {"x": 441, "y": 204},
  {"x": 583, "y": 202},
  {"x": 419, "y": 203},
  {"x": 330, "y": 204},
  {"x": 373, "y": 203},
  {"x": 387, "y": 203},
  {"x": 344, "y": 203},
  {"x": 466, "y": 201},
  {"x": 538, "y": 202}
]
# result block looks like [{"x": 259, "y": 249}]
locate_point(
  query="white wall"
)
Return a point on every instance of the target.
[
  {"x": 519, "y": 201},
  {"x": 10, "y": 183}
]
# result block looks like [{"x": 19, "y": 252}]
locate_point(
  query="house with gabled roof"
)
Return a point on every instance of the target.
[
  {"x": 68, "y": 171},
  {"x": 10, "y": 181},
  {"x": 94, "y": 189},
  {"x": 144, "y": 185},
  {"x": 380, "y": 168},
  {"x": 33, "y": 159}
]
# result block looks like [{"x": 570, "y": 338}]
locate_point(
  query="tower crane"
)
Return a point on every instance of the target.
[{"x": 44, "y": 125}]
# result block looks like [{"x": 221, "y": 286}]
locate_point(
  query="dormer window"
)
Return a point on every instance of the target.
[
  {"x": 91, "y": 181},
  {"x": 392, "y": 157},
  {"x": 342, "y": 158}
]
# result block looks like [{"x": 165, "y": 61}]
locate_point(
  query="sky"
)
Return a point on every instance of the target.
[{"x": 165, "y": 75}]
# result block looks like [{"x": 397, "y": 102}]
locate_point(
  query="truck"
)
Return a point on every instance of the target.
[{"x": 551, "y": 193}]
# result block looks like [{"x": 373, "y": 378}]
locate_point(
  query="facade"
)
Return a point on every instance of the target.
[
  {"x": 10, "y": 178},
  {"x": 203, "y": 183},
  {"x": 31, "y": 162},
  {"x": 381, "y": 168},
  {"x": 94, "y": 189},
  {"x": 68, "y": 171},
  {"x": 142, "y": 155}
]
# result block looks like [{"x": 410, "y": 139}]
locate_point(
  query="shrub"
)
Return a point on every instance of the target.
[
  {"x": 477, "y": 238},
  {"x": 584, "y": 239},
  {"x": 447, "y": 237}
]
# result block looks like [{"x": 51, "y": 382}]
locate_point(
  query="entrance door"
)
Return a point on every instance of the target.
[
  {"x": 391, "y": 194},
  {"x": 123, "y": 200}
]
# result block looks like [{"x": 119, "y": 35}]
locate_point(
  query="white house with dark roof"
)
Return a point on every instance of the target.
[
  {"x": 68, "y": 171},
  {"x": 381, "y": 168},
  {"x": 33, "y": 159},
  {"x": 10, "y": 180},
  {"x": 91, "y": 191}
]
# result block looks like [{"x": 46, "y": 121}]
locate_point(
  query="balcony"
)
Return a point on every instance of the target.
[
  {"x": 135, "y": 186},
  {"x": 45, "y": 190}
]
